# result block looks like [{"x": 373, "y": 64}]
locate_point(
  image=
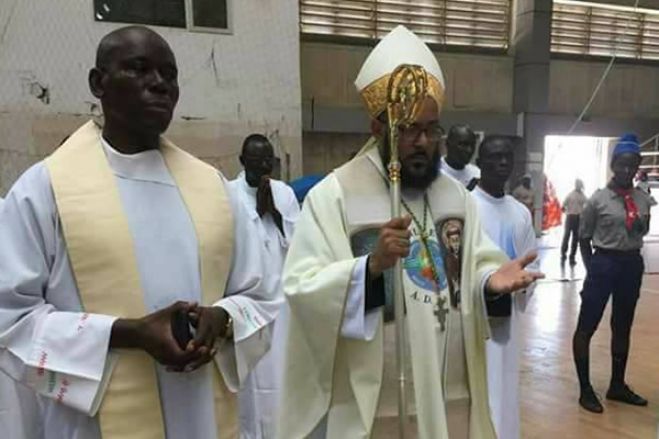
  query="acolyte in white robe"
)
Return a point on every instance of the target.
[
  {"x": 40, "y": 309},
  {"x": 259, "y": 397},
  {"x": 334, "y": 385},
  {"x": 508, "y": 223}
]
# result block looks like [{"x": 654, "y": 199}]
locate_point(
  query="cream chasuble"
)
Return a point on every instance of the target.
[
  {"x": 339, "y": 381},
  {"x": 100, "y": 247},
  {"x": 427, "y": 285}
]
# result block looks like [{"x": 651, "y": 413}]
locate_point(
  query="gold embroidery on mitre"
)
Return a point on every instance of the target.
[{"x": 374, "y": 94}]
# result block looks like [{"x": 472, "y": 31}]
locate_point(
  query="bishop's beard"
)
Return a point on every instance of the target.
[{"x": 409, "y": 177}]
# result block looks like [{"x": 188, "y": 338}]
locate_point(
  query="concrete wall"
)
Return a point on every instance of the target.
[
  {"x": 231, "y": 85},
  {"x": 474, "y": 82},
  {"x": 325, "y": 151},
  {"x": 630, "y": 91}
]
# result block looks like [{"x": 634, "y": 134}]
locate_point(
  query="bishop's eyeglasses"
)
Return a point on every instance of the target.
[{"x": 411, "y": 133}]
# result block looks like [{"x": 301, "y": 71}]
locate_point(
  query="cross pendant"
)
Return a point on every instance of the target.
[{"x": 441, "y": 311}]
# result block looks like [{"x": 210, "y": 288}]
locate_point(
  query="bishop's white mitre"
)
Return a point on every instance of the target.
[{"x": 400, "y": 46}]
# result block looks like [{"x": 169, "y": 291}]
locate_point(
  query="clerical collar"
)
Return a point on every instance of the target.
[{"x": 147, "y": 165}]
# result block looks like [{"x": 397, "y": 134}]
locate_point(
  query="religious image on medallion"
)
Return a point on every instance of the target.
[
  {"x": 450, "y": 231},
  {"x": 421, "y": 263}
]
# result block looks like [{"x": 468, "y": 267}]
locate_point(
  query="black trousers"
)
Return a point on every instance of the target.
[
  {"x": 616, "y": 274},
  {"x": 571, "y": 228}
]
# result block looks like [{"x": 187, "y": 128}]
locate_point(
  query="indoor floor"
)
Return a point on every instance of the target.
[{"x": 549, "y": 389}]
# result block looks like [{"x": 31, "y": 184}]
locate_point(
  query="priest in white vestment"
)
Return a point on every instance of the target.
[
  {"x": 112, "y": 249},
  {"x": 19, "y": 411},
  {"x": 274, "y": 210},
  {"x": 508, "y": 223},
  {"x": 340, "y": 380}
]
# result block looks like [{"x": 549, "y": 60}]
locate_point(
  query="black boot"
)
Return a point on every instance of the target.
[
  {"x": 580, "y": 349},
  {"x": 581, "y": 353},
  {"x": 589, "y": 401},
  {"x": 618, "y": 390},
  {"x": 622, "y": 393}
]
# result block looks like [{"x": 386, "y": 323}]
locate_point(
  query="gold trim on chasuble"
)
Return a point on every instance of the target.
[
  {"x": 100, "y": 248},
  {"x": 374, "y": 94}
]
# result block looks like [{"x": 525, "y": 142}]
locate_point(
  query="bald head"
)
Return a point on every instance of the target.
[
  {"x": 118, "y": 38},
  {"x": 460, "y": 145},
  {"x": 136, "y": 79},
  {"x": 257, "y": 144}
]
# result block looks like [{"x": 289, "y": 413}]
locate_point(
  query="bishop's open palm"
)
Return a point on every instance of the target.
[{"x": 512, "y": 276}]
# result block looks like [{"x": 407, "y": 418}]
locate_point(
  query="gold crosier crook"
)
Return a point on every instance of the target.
[{"x": 407, "y": 88}]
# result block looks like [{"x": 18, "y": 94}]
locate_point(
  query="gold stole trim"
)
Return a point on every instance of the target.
[{"x": 101, "y": 252}]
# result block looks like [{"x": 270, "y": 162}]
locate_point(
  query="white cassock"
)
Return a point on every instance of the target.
[
  {"x": 464, "y": 175},
  {"x": 508, "y": 223},
  {"x": 19, "y": 410},
  {"x": 259, "y": 397},
  {"x": 40, "y": 308}
]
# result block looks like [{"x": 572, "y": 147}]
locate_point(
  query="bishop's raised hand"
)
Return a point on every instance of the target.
[{"x": 512, "y": 276}]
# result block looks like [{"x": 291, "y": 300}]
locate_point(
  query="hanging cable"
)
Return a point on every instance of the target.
[{"x": 590, "y": 101}]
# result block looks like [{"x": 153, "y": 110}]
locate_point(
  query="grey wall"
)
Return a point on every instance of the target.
[{"x": 231, "y": 85}]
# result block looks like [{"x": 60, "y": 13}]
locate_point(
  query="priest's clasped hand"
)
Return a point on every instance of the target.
[
  {"x": 393, "y": 244},
  {"x": 153, "y": 334},
  {"x": 211, "y": 324},
  {"x": 512, "y": 276}
]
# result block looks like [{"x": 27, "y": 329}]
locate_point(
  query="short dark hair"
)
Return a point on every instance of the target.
[
  {"x": 453, "y": 131},
  {"x": 254, "y": 138},
  {"x": 492, "y": 138}
]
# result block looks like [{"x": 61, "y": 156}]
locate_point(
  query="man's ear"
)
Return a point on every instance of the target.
[
  {"x": 478, "y": 162},
  {"x": 377, "y": 129},
  {"x": 242, "y": 161},
  {"x": 95, "y": 79}
]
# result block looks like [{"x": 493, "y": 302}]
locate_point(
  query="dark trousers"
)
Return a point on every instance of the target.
[
  {"x": 571, "y": 228},
  {"x": 616, "y": 274}
]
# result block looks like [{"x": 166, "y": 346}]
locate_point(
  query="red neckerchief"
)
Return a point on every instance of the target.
[{"x": 630, "y": 207}]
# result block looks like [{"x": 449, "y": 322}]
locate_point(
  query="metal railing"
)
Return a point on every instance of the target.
[{"x": 650, "y": 150}]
